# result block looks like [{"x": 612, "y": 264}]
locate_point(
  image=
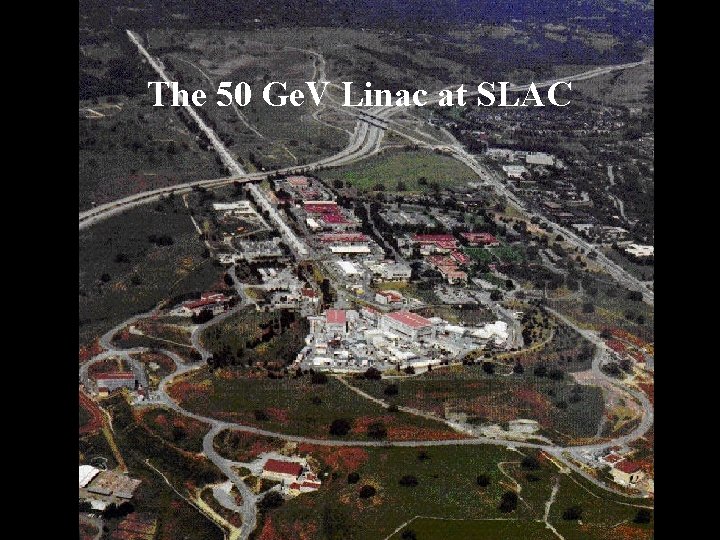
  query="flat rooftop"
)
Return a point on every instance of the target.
[{"x": 409, "y": 319}]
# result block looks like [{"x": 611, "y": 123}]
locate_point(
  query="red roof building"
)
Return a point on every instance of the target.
[
  {"x": 410, "y": 319},
  {"x": 283, "y": 467},
  {"x": 334, "y": 219},
  {"x": 433, "y": 238},
  {"x": 460, "y": 257},
  {"x": 343, "y": 238},
  {"x": 483, "y": 238},
  {"x": 628, "y": 467},
  {"x": 320, "y": 207},
  {"x": 335, "y": 316}
]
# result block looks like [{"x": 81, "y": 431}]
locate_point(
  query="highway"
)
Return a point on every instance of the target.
[{"x": 365, "y": 141}]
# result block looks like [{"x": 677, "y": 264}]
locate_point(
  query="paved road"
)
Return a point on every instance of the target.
[
  {"x": 366, "y": 140},
  {"x": 609, "y": 266}
]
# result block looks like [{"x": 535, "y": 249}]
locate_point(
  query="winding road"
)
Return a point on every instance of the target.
[{"x": 365, "y": 141}]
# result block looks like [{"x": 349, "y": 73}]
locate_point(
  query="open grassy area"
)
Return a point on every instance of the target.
[
  {"x": 407, "y": 167},
  {"x": 489, "y": 398},
  {"x": 291, "y": 406},
  {"x": 178, "y": 430},
  {"x": 474, "y": 529},
  {"x": 446, "y": 488},
  {"x": 122, "y": 272},
  {"x": 176, "y": 518}
]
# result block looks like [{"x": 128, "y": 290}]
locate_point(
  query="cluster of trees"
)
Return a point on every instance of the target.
[{"x": 161, "y": 240}]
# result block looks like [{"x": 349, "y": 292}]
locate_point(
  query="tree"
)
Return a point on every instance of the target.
[
  {"x": 530, "y": 463},
  {"x": 377, "y": 430},
  {"x": 367, "y": 491},
  {"x": 260, "y": 415},
  {"x": 391, "y": 390},
  {"x": 588, "y": 307},
  {"x": 488, "y": 367},
  {"x": 423, "y": 455},
  {"x": 337, "y": 184},
  {"x": 482, "y": 480},
  {"x": 643, "y": 516},
  {"x": 408, "y": 534},
  {"x": 353, "y": 477},
  {"x": 272, "y": 499},
  {"x": 372, "y": 374},
  {"x": 508, "y": 502},
  {"x": 105, "y": 277},
  {"x": 573, "y": 513},
  {"x": 339, "y": 427},
  {"x": 408, "y": 481},
  {"x": 496, "y": 295},
  {"x": 540, "y": 370},
  {"x": 318, "y": 377},
  {"x": 635, "y": 296},
  {"x": 518, "y": 368},
  {"x": 410, "y": 370}
]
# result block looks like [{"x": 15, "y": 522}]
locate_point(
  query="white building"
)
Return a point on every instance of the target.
[{"x": 514, "y": 171}]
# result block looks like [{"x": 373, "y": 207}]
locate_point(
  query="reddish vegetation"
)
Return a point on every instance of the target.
[
  {"x": 88, "y": 351},
  {"x": 398, "y": 431},
  {"x": 281, "y": 415},
  {"x": 627, "y": 336},
  {"x": 104, "y": 366},
  {"x": 630, "y": 532},
  {"x": 649, "y": 389},
  {"x": 268, "y": 531},
  {"x": 87, "y": 531},
  {"x": 616, "y": 345},
  {"x": 134, "y": 526},
  {"x": 185, "y": 390},
  {"x": 96, "y": 419}
]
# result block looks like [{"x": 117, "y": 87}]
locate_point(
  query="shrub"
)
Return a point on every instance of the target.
[
  {"x": 377, "y": 430},
  {"x": 508, "y": 502},
  {"x": 372, "y": 374},
  {"x": 353, "y": 477},
  {"x": 318, "y": 377},
  {"x": 391, "y": 390},
  {"x": 367, "y": 491},
  {"x": 271, "y": 500},
  {"x": 573, "y": 513},
  {"x": 483, "y": 480},
  {"x": 339, "y": 427},
  {"x": 408, "y": 481},
  {"x": 643, "y": 516},
  {"x": 408, "y": 534}
]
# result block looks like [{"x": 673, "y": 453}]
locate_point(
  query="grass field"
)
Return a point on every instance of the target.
[
  {"x": 499, "y": 399},
  {"x": 287, "y": 406},
  {"x": 179, "y": 431},
  {"x": 123, "y": 273},
  {"x": 402, "y": 166},
  {"x": 473, "y": 529},
  {"x": 446, "y": 488},
  {"x": 84, "y": 416}
]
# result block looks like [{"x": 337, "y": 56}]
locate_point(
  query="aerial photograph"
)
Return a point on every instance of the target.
[{"x": 366, "y": 269}]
